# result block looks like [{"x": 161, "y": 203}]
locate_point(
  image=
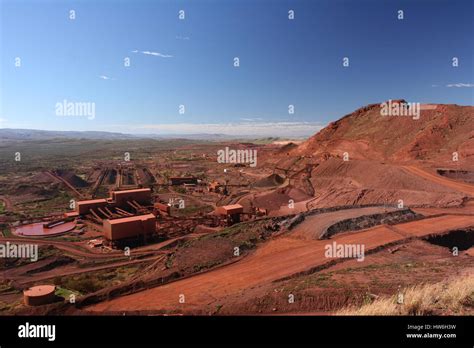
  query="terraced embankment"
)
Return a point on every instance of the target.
[{"x": 438, "y": 179}]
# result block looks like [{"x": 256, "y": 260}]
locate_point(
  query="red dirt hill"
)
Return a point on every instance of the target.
[{"x": 366, "y": 134}]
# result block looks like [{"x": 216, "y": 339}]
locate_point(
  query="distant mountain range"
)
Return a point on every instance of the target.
[
  {"x": 9, "y": 134},
  {"x": 32, "y": 134}
]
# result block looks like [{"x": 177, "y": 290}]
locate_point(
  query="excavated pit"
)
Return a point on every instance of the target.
[
  {"x": 459, "y": 175},
  {"x": 461, "y": 239}
]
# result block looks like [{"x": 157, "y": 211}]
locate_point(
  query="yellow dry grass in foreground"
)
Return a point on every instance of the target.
[{"x": 446, "y": 298}]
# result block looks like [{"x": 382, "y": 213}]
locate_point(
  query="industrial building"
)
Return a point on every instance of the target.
[
  {"x": 133, "y": 227},
  {"x": 230, "y": 212},
  {"x": 84, "y": 207},
  {"x": 184, "y": 180},
  {"x": 119, "y": 199},
  {"x": 162, "y": 208},
  {"x": 141, "y": 196},
  {"x": 116, "y": 218},
  {"x": 214, "y": 187}
]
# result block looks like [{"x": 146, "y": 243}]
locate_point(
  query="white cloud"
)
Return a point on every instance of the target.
[
  {"x": 256, "y": 129},
  {"x": 460, "y": 85},
  {"x": 157, "y": 54},
  {"x": 251, "y": 119},
  {"x": 103, "y": 77}
]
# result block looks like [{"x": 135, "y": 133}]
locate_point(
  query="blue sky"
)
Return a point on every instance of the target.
[{"x": 282, "y": 62}]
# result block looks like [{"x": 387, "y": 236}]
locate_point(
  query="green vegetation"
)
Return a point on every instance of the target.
[
  {"x": 180, "y": 189},
  {"x": 237, "y": 231},
  {"x": 6, "y": 232},
  {"x": 43, "y": 252},
  {"x": 7, "y": 307},
  {"x": 186, "y": 159},
  {"x": 55, "y": 200},
  {"x": 6, "y": 286},
  {"x": 191, "y": 210},
  {"x": 87, "y": 283},
  {"x": 65, "y": 293},
  {"x": 207, "y": 265},
  {"x": 38, "y": 154}
]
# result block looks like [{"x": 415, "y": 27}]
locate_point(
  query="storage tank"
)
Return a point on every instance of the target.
[{"x": 39, "y": 295}]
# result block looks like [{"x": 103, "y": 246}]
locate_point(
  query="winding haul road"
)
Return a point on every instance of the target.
[
  {"x": 279, "y": 258},
  {"x": 288, "y": 255},
  {"x": 321, "y": 222},
  {"x": 455, "y": 185},
  {"x": 284, "y": 256}
]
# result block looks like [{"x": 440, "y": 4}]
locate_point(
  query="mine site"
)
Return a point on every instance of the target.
[
  {"x": 258, "y": 172},
  {"x": 367, "y": 211}
]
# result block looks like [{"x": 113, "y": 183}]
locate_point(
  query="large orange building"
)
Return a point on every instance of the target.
[
  {"x": 229, "y": 209},
  {"x": 142, "y": 196},
  {"x": 106, "y": 211},
  {"x": 130, "y": 227},
  {"x": 118, "y": 198},
  {"x": 83, "y": 207},
  {"x": 231, "y": 212}
]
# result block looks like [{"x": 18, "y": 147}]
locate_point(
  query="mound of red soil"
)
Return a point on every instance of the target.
[
  {"x": 338, "y": 182},
  {"x": 287, "y": 147},
  {"x": 71, "y": 178},
  {"x": 367, "y": 134},
  {"x": 270, "y": 181},
  {"x": 40, "y": 178},
  {"x": 37, "y": 190},
  {"x": 280, "y": 197}
]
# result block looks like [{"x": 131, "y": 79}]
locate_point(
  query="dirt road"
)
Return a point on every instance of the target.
[
  {"x": 467, "y": 208},
  {"x": 459, "y": 186},
  {"x": 7, "y": 202},
  {"x": 21, "y": 276},
  {"x": 70, "y": 247},
  {"x": 276, "y": 259},
  {"x": 314, "y": 226}
]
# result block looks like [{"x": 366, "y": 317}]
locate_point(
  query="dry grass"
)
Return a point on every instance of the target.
[{"x": 446, "y": 298}]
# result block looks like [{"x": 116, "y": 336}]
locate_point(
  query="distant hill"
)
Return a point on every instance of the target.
[
  {"x": 8, "y": 134},
  {"x": 32, "y": 134},
  {"x": 365, "y": 134}
]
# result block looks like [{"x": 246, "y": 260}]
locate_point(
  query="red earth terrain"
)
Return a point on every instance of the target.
[
  {"x": 390, "y": 160},
  {"x": 279, "y": 258}
]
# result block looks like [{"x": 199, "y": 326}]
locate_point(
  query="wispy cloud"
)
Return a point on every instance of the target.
[
  {"x": 179, "y": 37},
  {"x": 460, "y": 85},
  {"x": 251, "y": 119},
  {"x": 151, "y": 53},
  {"x": 104, "y": 77}
]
